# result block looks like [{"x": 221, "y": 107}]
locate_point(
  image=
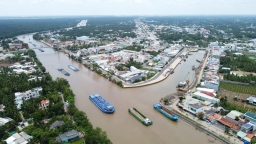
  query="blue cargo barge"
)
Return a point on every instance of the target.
[
  {"x": 73, "y": 68},
  {"x": 102, "y": 104},
  {"x": 63, "y": 71},
  {"x": 165, "y": 112}
]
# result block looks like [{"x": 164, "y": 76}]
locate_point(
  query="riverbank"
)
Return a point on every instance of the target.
[{"x": 120, "y": 126}]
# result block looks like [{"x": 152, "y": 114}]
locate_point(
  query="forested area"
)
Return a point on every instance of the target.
[
  {"x": 243, "y": 63},
  {"x": 41, "y": 132},
  {"x": 98, "y": 27},
  {"x": 246, "y": 78},
  {"x": 13, "y": 27}
]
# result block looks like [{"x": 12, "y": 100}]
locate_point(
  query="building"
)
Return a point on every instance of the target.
[
  {"x": 44, "y": 104},
  {"x": 251, "y": 100},
  {"x": 68, "y": 136},
  {"x": 233, "y": 114},
  {"x": 3, "y": 121},
  {"x": 20, "y": 96},
  {"x": 19, "y": 138},
  {"x": 209, "y": 92},
  {"x": 56, "y": 124},
  {"x": 15, "y": 46},
  {"x": 250, "y": 116},
  {"x": 214, "y": 84},
  {"x": 194, "y": 109},
  {"x": 205, "y": 97}
]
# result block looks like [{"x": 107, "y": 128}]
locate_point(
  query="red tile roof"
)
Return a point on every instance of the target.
[{"x": 228, "y": 123}]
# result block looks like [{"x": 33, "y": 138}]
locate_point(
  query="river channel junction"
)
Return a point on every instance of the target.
[{"x": 121, "y": 127}]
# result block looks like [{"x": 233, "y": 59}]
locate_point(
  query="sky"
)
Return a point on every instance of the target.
[{"x": 126, "y": 7}]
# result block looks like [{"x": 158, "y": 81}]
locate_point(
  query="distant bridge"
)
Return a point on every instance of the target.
[{"x": 40, "y": 47}]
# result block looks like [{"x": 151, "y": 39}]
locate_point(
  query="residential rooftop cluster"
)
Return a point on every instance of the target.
[{"x": 20, "y": 96}]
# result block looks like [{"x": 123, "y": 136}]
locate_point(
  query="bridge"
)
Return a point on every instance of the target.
[{"x": 40, "y": 47}]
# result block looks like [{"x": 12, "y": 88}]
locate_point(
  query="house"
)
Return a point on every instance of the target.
[
  {"x": 250, "y": 116},
  {"x": 44, "y": 104},
  {"x": 20, "y": 96},
  {"x": 205, "y": 97},
  {"x": 3, "y": 121},
  {"x": 251, "y": 100},
  {"x": 233, "y": 114},
  {"x": 56, "y": 124},
  {"x": 15, "y": 46},
  {"x": 195, "y": 109},
  {"x": 209, "y": 92},
  {"x": 68, "y": 136},
  {"x": 229, "y": 123},
  {"x": 19, "y": 138},
  {"x": 248, "y": 127},
  {"x": 214, "y": 84}
]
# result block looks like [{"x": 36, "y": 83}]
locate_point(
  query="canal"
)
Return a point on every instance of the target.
[{"x": 121, "y": 127}]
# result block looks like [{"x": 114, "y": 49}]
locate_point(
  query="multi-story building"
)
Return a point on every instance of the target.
[{"x": 20, "y": 96}]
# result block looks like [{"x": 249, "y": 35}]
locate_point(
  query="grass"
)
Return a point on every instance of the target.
[
  {"x": 80, "y": 141},
  {"x": 238, "y": 88}
]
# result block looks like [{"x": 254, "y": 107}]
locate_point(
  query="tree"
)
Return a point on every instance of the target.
[
  {"x": 227, "y": 130},
  {"x": 166, "y": 101},
  {"x": 200, "y": 115},
  {"x": 253, "y": 141},
  {"x": 237, "y": 118}
]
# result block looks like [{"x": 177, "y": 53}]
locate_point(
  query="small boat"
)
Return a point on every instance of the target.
[
  {"x": 63, "y": 71},
  {"x": 159, "y": 107},
  {"x": 193, "y": 67},
  {"x": 102, "y": 104},
  {"x": 41, "y": 50},
  {"x": 139, "y": 116},
  {"x": 73, "y": 68}
]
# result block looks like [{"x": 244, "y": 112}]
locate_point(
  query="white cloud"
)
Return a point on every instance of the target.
[{"x": 126, "y": 7}]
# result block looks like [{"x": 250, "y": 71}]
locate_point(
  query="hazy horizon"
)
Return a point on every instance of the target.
[{"x": 33, "y": 8}]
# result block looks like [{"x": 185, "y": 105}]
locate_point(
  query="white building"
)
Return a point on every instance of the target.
[
  {"x": 210, "y": 92},
  {"x": 205, "y": 97},
  {"x": 3, "y": 121},
  {"x": 20, "y": 96},
  {"x": 19, "y": 138},
  {"x": 251, "y": 100}
]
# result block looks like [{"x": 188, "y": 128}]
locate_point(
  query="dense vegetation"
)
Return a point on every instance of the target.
[
  {"x": 99, "y": 27},
  {"x": 232, "y": 106},
  {"x": 238, "y": 88},
  {"x": 41, "y": 132},
  {"x": 13, "y": 27},
  {"x": 246, "y": 79},
  {"x": 243, "y": 63}
]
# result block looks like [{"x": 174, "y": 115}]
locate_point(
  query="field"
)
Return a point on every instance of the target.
[
  {"x": 238, "y": 88},
  {"x": 80, "y": 141}
]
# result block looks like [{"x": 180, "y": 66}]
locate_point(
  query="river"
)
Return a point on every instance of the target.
[{"x": 121, "y": 127}]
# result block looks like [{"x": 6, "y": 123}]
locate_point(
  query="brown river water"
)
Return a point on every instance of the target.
[{"x": 122, "y": 127}]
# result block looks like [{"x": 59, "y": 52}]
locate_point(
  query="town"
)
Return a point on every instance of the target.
[{"x": 208, "y": 67}]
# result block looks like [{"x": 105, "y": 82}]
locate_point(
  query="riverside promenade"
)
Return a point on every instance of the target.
[{"x": 161, "y": 75}]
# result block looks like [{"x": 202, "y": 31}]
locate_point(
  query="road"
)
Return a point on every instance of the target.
[{"x": 64, "y": 103}]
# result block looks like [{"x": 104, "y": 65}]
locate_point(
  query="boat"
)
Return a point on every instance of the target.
[
  {"x": 63, "y": 71},
  {"x": 102, "y": 104},
  {"x": 41, "y": 50},
  {"x": 139, "y": 116},
  {"x": 193, "y": 67},
  {"x": 73, "y": 68},
  {"x": 162, "y": 109}
]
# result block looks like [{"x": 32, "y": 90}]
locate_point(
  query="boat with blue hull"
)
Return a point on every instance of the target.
[
  {"x": 73, "y": 68},
  {"x": 63, "y": 71},
  {"x": 41, "y": 50},
  {"x": 102, "y": 104},
  {"x": 166, "y": 112}
]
